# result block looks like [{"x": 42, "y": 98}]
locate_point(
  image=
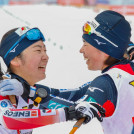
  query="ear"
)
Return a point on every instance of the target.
[{"x": 15, "y": 62}]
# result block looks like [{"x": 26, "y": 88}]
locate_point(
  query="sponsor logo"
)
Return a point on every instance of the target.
[
  {"x": 22, "y": 30},
  {"x": 21, "y": 114},
  {"x": 68, "y": 90},
  {"x": 92, "y": 89},
  {"x": 34, "y": 113},
  {"x": 85, "y": 84},
  {"x": 14, "y": 49},
  {"x": 48, "y": 112},
  {"x": 131, "y": 83},
  {"x": 82, "y": 109},
  {"x": 62, "y": 90},
  {"x": 98, "y": 42},
  {"x": 94, "y": 24},
  {"x": 119, "y": 76},
  {"x": 55, "y": 105},
  {"x": 4, "y": 104}
]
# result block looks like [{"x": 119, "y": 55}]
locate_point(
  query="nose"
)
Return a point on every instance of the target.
[
  {"x": 45, "y": 56},
  {"x": 81, "y": 50}
]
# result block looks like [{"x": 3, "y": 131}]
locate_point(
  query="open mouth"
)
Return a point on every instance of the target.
[
  {"x": 86, "y": 59},
  {"x": 42, "y": 67}
]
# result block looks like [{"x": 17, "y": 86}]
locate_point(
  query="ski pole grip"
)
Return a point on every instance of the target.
[
  {"x": 77, "y": 125},
  {"x": 11, "y": 97}
]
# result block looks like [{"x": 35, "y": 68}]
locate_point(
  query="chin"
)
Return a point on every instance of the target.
[
  {"x": 90, "y": 68},
  {"x": 41, "y": 77}
]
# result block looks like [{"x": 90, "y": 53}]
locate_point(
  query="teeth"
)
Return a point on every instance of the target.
[
  {"x": 43, "y": 66},
  {"x": 85, "y": 58}
]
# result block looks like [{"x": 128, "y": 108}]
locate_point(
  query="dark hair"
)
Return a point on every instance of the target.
[
  {"x": 3, "y": 38},
  {"x": 8, "y": 33},
  {"x": 1, "y": 73},
  {"x": 110, "y": 61}
]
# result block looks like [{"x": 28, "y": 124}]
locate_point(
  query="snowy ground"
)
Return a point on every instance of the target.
[{"x": 62, "y": 27}]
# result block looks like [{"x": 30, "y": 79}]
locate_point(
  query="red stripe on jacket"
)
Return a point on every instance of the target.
[{"x": 125, "y": 67}]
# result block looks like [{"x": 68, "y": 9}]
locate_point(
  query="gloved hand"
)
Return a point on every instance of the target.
[
  {"x": 11, "y": 87},
  {"x": 130, "y": 51},
  {"x": 85, "y": 109}
]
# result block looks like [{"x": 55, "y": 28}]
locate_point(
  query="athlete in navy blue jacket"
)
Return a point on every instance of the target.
[{"x": 105, "y": 40}]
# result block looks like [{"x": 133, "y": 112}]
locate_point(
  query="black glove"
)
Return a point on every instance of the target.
[{"x": 85, "y": 109}]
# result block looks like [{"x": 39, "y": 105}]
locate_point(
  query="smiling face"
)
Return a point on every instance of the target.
[
  {"x": 95, "y": 58},
  {"x": 31, "y": 65}
]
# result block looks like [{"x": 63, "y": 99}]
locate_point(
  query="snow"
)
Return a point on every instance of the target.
[{"x": 62, "y": 27}]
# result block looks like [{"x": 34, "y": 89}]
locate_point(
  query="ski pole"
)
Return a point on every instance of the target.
[
  {"x": 11, "y": 97},
  {"x": 77, "y": 125}
]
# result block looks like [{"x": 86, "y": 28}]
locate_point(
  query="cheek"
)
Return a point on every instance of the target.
[
  {"x": 31, "y": 63},
  {"x": 90, "y": 54}
]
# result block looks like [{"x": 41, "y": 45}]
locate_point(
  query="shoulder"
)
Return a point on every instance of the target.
[
  {"x": 102, "y": 80},
  {"x": 125, "y": 66},
  {"x": 105, "y": 83}
]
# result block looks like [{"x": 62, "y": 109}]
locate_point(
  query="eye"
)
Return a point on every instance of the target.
[
  {"x": 84, "y": 40},
  {"x": 38, "y": 50},
  {"x": 44, "y": 49}
]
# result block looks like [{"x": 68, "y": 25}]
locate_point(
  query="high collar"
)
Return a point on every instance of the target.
[{"x": 120, "y": 62}]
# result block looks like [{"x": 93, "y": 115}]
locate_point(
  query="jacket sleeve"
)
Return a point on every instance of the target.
[
  {"x": 69, "y": 94},
  {"x": 103, "y": 91},
  {"x": 12, "y": 118}
]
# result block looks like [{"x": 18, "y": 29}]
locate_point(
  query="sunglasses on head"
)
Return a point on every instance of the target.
[
  {"x": 90, "y": 28},
  {"x": 32, "y": 34}
]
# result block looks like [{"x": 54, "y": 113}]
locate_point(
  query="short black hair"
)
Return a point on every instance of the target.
[{"x": 8, "y": 33}]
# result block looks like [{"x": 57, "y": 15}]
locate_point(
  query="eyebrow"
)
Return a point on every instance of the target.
[{"x": 39, "y": 46}]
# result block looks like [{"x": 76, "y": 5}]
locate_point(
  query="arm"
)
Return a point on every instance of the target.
[
  {"x": 14, "y": 87},
  {"x": 33, "y": 118},
  {"x": 27, "y": 118},
  {"x": 106, "y": 95},
  {"x": 103, "y": 91},
  {"x": 68, "y": 94}
]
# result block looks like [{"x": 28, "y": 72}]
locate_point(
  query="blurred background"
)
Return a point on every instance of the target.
[{"x": 122, "y": 6}]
